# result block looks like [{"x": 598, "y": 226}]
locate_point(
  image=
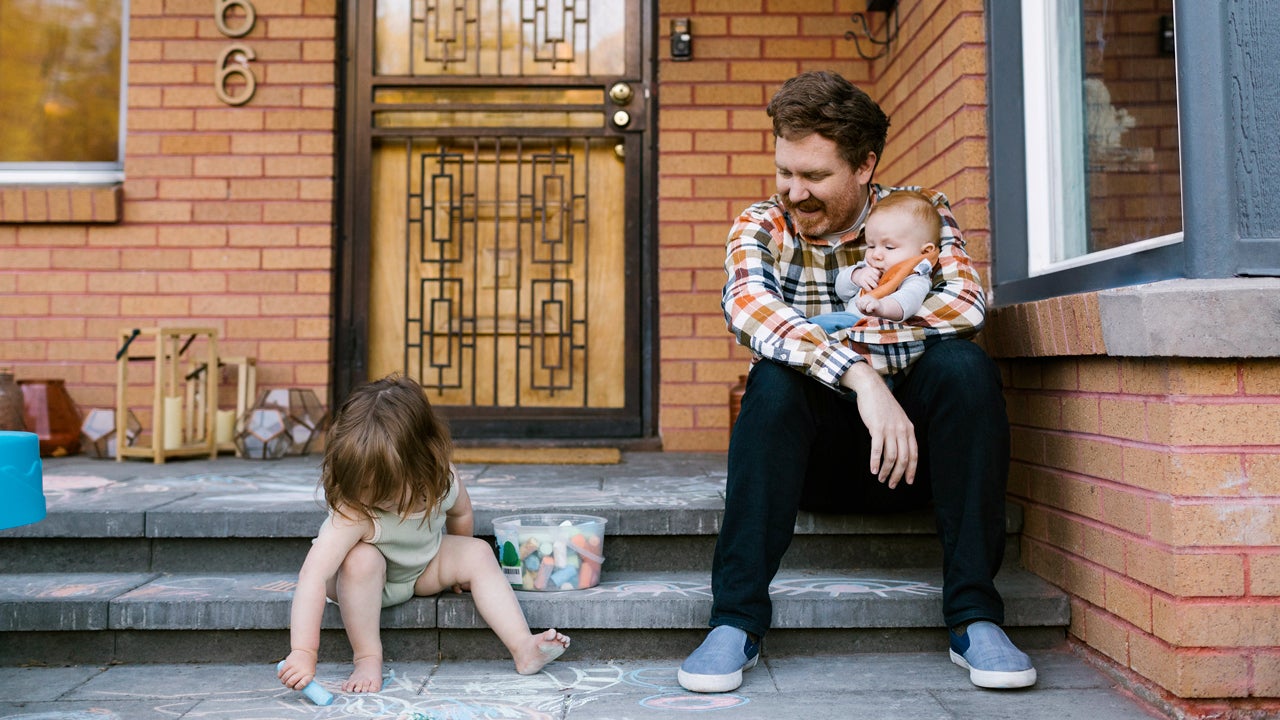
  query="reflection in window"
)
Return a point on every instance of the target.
[
  {"x": 60, "y": 85},
  {"x": 1103, "y": 173},
  {"x": 1131, "y": 121}
]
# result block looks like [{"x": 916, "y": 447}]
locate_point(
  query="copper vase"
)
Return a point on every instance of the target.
[
  {"x": 51, "y": 414},
  {"x": 10, "y": 403}
]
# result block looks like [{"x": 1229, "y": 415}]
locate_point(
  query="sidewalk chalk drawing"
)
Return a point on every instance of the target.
[
  {"x": 231, "y": 489},
  {"x": 90, "y": 714},
  {"x": 669, "y": 696},
  {"x": 484, "y": 693},
  {"x": 652, "y": 588},
  {"x": 508, "y": 493},
  {"x": 797, "y": 587},
  {"x": 836, "y": 587}
]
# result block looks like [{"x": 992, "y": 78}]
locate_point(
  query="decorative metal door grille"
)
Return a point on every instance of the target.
[{"x": 542, "y": 251}]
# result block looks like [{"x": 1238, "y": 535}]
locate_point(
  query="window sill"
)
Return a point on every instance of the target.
[
  {"x": 32, "y": 204},
  {"x": 1221, "y": 318}
]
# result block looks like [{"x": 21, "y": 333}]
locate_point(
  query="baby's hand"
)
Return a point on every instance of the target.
[
  {"x": 865, "y": 277},
  {"x": 868, "y": 304},
  {"x": 298, "y": 669}
]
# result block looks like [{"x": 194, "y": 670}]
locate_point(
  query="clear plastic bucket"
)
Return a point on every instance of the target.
[{"x": 550, "y": 552}]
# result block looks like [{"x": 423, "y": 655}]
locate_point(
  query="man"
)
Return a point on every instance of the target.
[{"x": 880, "y": 417}]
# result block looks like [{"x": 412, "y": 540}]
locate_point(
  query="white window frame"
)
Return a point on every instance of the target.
[{"x": 82, "y": 173}]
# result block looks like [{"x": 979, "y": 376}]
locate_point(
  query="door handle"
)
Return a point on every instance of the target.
[{"x": 621, "y": 93}]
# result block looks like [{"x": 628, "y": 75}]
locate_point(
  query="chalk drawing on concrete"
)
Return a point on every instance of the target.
[
  {"x": 693, "y": 702},
  {"x": 439, "y": 694},
  {"x": 837, "y": 587},
  {"x": 280, "y": 586},
  {"x": 652, "y": 587},
  {"x": 86, "y": 714},
  {"x": 508, "y": 493},
  {"x": 58, "y": 485},
  {"x": 191, "y": 588},
  {"x": 669, "y": 696},
  {"x": 69, "y": 590}
]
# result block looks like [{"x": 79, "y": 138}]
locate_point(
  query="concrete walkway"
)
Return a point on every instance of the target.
[{"x": 909, "y": 686}]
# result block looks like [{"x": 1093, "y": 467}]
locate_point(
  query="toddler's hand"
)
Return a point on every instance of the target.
[
  {"x": 298, "y": 670},
  {"x": 462, "y": 587},
  {"x": 868, "y": 304},
  {"x": 865, "y": 277}
]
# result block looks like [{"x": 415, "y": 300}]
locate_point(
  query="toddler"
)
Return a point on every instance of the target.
[{"x": 392, "y": 495}]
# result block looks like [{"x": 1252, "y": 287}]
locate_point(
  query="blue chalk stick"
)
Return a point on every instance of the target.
[
  {"x": 565, "y": 575},
  {"x": 314, "y": 691}
]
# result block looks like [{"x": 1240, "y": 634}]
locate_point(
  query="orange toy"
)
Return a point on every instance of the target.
[{"x": 894, "y": 276}]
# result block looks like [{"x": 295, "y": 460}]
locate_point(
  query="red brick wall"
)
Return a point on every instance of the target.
[
  {"x": 1150, "y": 488},
  {"x": 934, "y": 89},
  {"x": 716, "y": 157},
  {"x": 225, "y": 217}
]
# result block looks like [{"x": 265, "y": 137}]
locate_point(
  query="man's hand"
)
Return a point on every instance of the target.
[
  {"x": 894, "y": 454},
  {"x": 865, "y": 277}
]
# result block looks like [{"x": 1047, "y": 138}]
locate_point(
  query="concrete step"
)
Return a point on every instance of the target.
[
  {"x": 231, "y": 617},
  {"x": 193, "y": 544},
  {"x": 196, "y": 561},
  {"x": 207, "y": 522}
]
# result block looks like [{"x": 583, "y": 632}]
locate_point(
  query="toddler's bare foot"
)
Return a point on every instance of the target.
[
  {"x": 541, "y": 649},
  {"x": 367, "y": 676}
]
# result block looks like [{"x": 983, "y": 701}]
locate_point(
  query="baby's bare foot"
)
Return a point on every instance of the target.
[
  {"x": 367, "y": 676},
  {"x": 541, "y": 649}
]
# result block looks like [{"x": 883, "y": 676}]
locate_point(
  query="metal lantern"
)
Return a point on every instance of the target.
[
  {"x": 98, "y": 432},
  {"x": 264, "y": 433},
  {"x": 303, "y": 408}
]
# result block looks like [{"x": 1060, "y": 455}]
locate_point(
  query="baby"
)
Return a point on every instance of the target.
[{"x": 902, "y": 229}]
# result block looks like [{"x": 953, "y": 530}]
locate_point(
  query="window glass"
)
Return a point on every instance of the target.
[
  {"x": 1102, "y": 164},
  {"x": 61, "y": 108}
]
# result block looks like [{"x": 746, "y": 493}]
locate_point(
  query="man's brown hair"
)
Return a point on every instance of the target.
[{"x": 825, "y": 103}]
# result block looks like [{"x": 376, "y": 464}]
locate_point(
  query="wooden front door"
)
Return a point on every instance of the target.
[{"x": 495, "y": 241}]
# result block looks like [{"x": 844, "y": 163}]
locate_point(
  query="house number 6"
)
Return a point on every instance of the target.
[{"x": 235, "y": 65}]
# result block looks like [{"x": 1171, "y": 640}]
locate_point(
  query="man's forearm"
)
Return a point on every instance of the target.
[{"x": 859, "y": 376}]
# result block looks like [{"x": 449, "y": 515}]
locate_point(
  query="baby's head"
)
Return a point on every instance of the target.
[
  {"x": 387, "y": 448},
  {"x": 900, "y": 226}
]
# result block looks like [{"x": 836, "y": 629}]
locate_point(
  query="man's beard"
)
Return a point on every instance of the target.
[
  {"x": 834, "y": 214},
  {"x": 808, "y": 225}
]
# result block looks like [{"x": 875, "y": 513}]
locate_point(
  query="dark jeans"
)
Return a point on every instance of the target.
[{"x": 799, "y": 445}]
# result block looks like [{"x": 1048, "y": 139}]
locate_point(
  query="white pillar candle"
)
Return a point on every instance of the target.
[
  {"x": 226, "y": 424},
  {"x": 172, "y": 423}
]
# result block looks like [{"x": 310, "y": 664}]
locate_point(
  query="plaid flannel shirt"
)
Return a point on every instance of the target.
[{"x": 777, "y": 279}]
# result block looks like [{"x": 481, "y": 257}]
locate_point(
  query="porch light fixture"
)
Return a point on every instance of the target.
[{"x": 889, "y": 27}]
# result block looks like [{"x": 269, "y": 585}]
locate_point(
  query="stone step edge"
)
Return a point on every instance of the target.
[
  {"x": 877, "y": 597},
  {"x": 167, "y": 522}
]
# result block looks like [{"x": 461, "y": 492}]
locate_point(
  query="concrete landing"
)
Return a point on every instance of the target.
[{"x": 890, "y": 686}]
